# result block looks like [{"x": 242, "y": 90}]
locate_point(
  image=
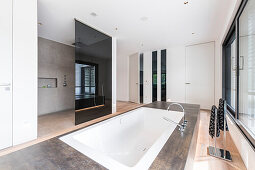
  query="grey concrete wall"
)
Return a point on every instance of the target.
[{"x": 54, "y": 61}]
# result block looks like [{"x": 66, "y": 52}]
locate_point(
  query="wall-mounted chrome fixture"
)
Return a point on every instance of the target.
[{"x": 64, "y": 84}]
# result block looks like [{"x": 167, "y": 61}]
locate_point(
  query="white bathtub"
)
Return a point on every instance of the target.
[{"x": 128, "y": 141}]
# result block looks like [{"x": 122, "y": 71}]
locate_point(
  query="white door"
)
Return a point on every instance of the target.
[
  {"x": 134, "y": 78},
  {"x": 200, "y": 75},
  {"x": 6, "y": 74}
]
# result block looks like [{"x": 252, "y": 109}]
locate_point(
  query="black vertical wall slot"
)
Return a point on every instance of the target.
[
  {"x": 154, "y": 76},
  {"x": 141, "y": 78},
  {"x": 163, "y": 75}
]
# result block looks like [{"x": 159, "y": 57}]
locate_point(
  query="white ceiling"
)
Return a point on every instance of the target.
[{"x": 169, "y": 22}]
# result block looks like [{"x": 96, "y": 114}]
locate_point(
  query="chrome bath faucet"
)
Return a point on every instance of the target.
[{"x": 184, "y": 124}]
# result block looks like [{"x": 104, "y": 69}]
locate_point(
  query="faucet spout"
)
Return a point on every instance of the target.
[{"x": 183, "y": 110}]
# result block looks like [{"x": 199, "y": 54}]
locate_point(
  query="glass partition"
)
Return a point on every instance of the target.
[{"x": 93, "y": 84}]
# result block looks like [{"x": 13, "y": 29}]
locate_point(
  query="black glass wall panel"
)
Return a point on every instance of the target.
[
  {"x": 154, "y": 76},
  {"x": 141, "y": 78},
  {"x": 93, "y": 73},
  {"x": 163, "y": 75}
]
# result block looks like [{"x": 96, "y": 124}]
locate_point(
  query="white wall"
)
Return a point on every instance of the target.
[
  {"x": 244, "y": 148},
  {"x": 24, "y": 71},
  {"x": 176, "y": 74},
  {"x": 147, "y": 77},
  {"x": 122, "y": 78}
]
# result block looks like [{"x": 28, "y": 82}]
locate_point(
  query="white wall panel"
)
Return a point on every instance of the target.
[
  {"x": 147, "y": 79},
  {"x": 176, "y": 74},
  {"x": 24, "y": 71},
  {"x": 200, "y": 74},
  {"x": 134, "y": 78},
  {"x": 122, "y": 78},
  {"x": 6, "y": 74}
]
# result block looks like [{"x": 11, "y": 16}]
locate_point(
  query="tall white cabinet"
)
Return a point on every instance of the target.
[
  {"x": 200, "y": 75},
  {"x": 134, "y": 78},
  {"x": 6, "y": 74},
  {"x": 18, "y": 72}
]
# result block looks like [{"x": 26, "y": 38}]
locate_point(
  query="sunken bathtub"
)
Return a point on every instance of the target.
[{"x": 128, "y": 141}]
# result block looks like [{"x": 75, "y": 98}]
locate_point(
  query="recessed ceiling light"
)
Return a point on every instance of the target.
[
  {"x": 186, "y": 2},
  {"x": 144, "y": 18},
  {"x": 93, "y": 14},
  {"x": 39, "y": 23}
]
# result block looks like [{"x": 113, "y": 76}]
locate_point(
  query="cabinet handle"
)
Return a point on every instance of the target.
[{"x": 187, "y": 83}]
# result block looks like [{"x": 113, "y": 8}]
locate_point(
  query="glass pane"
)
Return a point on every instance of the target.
[
  {"x": 92, "y": 76},
  {"x": 85, "y": 79},
  {"x": 154, "y": 76},
  {"x": 230, "y": 72},
  {"x": 163, "y": 75},
  {"x": 247, "y": 66},
  {"x": 93, "y": 90},
  {"x": 87, "y": 90},
  {"x": 87, "y": 76},
  {"x": 141, "y": 78}
]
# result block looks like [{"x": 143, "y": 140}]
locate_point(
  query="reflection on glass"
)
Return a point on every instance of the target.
[
  {"x": 85, "y": 79},
  {"x": 154, "y": 76},
  {"x": 247, "y": 66},
  {"x": 163, "y": 75}
]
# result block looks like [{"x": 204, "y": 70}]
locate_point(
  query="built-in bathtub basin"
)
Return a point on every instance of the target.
[{"x": 129, "y": 141}]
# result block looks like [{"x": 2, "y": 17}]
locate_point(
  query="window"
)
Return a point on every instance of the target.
[
  {"x": 229, "y": 72},
  {"x": 238, "y": 68}
]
